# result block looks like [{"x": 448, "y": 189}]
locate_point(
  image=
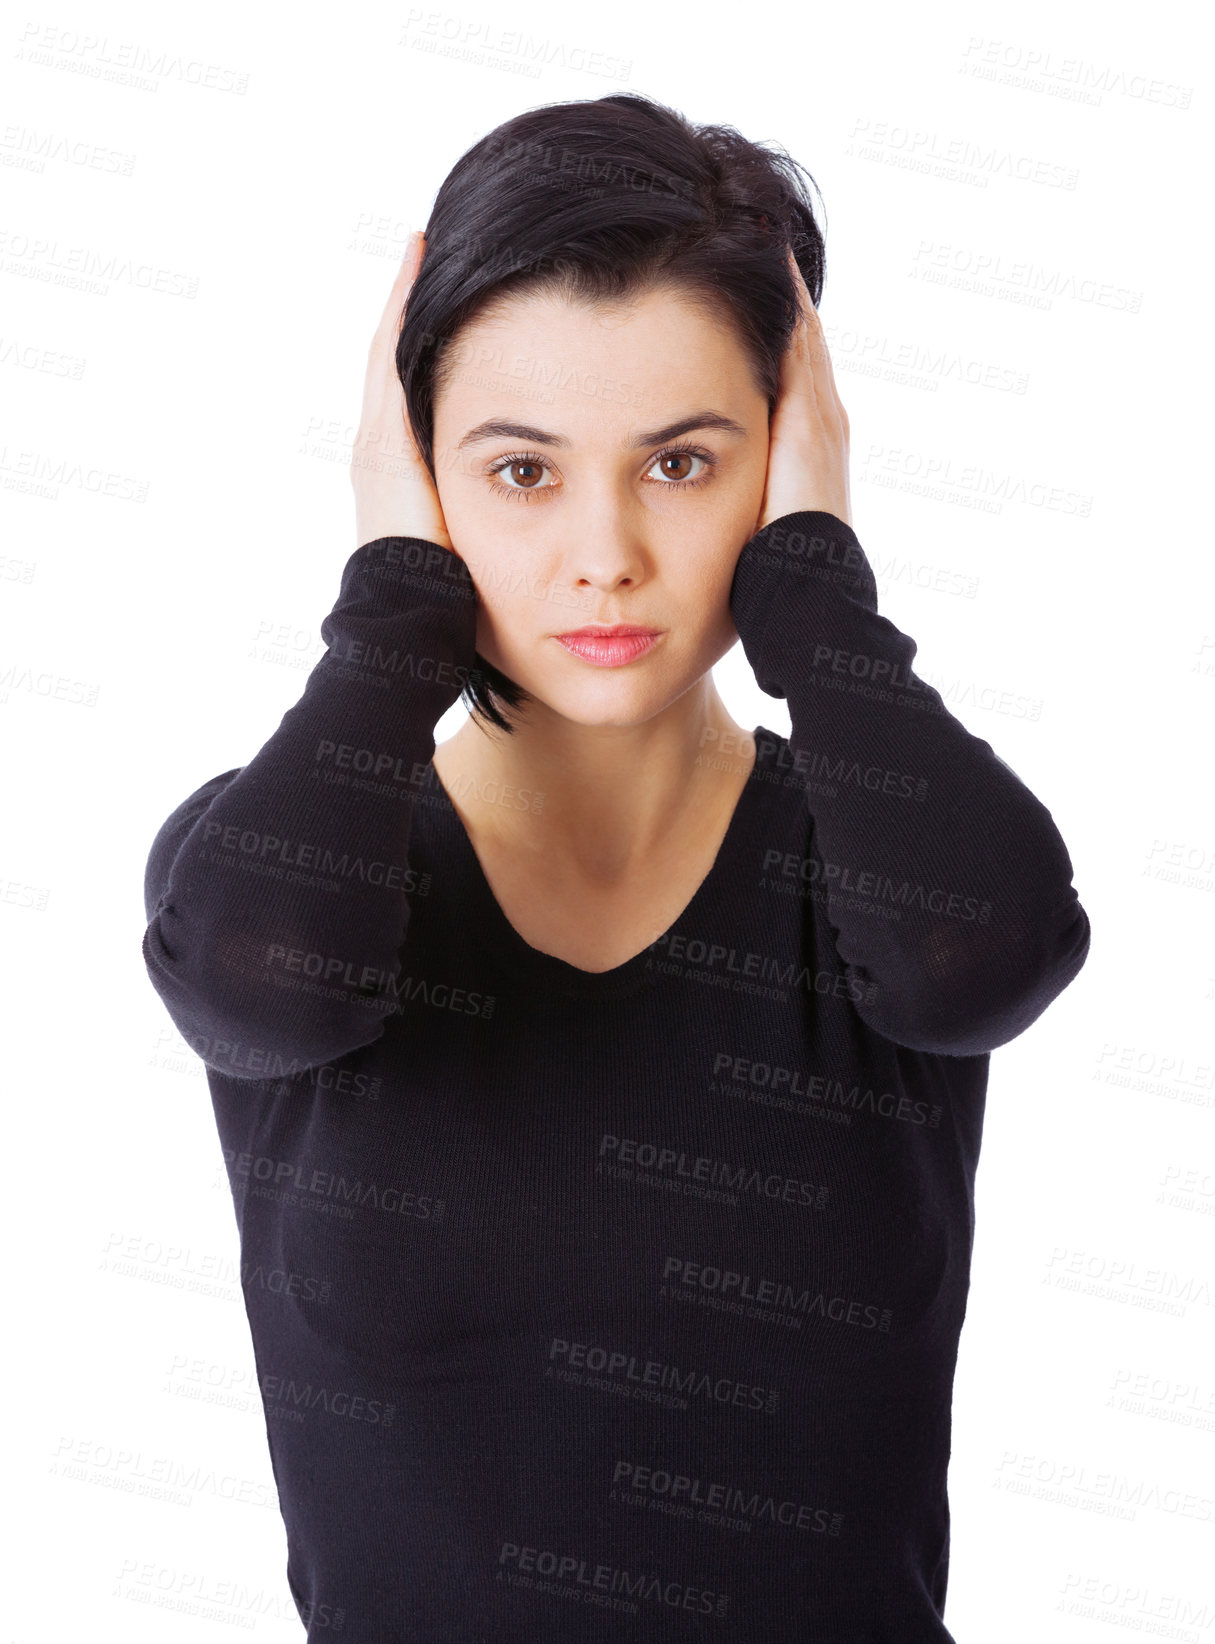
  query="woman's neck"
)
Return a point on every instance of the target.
[{"x": 599, "y": 800}]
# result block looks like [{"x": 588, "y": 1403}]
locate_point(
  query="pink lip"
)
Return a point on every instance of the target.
[{"x": 609, "y": 647}]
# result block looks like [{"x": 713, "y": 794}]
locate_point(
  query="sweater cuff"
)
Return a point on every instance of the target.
[
  {"x": 792, "y": 554},
  {"x": 412, "y": 565}
]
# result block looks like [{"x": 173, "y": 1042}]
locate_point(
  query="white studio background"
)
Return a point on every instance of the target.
[{"x": 202, "y": 216}]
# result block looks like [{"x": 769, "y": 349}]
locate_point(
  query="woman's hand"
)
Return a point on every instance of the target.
[
  {"x": 808, "y": 433},
  {"x": 394, "y": 495}
]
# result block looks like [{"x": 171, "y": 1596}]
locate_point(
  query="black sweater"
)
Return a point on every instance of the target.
[{"x": 620, "y": 1305}]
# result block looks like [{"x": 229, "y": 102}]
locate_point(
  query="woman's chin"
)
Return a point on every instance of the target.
[{"x": 616, "y": 709}]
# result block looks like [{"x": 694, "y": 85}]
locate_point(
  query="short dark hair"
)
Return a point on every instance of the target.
[{"x": 600, "y": 199}]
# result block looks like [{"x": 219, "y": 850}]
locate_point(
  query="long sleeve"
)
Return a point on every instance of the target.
[
  {"x": 278, "y": 895},
  {"x": 945, "y": 881}
]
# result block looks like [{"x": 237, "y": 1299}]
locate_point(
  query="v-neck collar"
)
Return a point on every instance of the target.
[{"x": 545, "y": 971}]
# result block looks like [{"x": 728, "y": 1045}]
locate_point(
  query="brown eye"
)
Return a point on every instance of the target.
[
  {"x": 520, "y": 475},
  {"x": 673, "y": 461},
  {"x": 669, "y": 464}
]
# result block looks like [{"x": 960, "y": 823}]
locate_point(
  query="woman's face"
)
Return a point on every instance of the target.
[{"x": 584, "y": 511}]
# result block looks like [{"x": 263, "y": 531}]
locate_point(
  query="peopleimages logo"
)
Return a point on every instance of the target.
[
  {"x": 566, "y": 1575},
  {"x": 271, "y": 853},
  {"x": 680, "y": 1494},
  {"x": 297, "y": 1177},
  {"x": 290, "y": 1399},
  {"x": 676, "y": 1164},
  {"x": 697, "y": 959},
  {"x": 283, "y": 965},
  {"x": 808, "y": 764},
  {"x": 702, "y": 1279},
  {"x": 617, "y": 1369},
  {"x": 836, "y": 876},
  {"x": 829, "y": 1092}
]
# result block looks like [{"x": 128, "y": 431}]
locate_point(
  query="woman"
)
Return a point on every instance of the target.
[{"x": 601, "y": 1092}]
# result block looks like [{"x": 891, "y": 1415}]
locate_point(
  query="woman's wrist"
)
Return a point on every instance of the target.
[{"x": 379, "y": 513}]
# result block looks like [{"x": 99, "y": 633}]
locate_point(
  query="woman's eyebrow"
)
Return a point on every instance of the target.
[{"x": 495, "y": 428}]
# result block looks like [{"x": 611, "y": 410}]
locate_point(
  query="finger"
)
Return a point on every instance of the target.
[
  {"x": 816, "y": 342},
  {"x": 382, "y": 391},
  {"x": 826, "y": 367},
  {"x": 801, "y": 368},
  {"x": 807, "y": 339},
  {"x": 802, "y": 296},
  {"x": 383, "y": 396},
  {"x": 394, "y": 308}
]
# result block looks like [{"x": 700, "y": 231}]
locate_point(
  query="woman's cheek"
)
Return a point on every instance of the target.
[{"x": 498, "y": 619}]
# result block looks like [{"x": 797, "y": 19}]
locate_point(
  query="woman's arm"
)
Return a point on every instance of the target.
[
  {"x": 912, "y": 814},
  {"x": 278, "y": 895}
]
